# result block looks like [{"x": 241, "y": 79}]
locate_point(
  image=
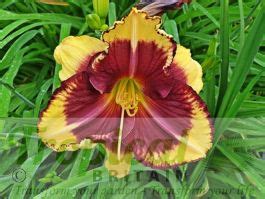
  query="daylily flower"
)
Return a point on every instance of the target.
[
  {"x": 135, "y": 91},
  {"x": 153, "y": 7}
]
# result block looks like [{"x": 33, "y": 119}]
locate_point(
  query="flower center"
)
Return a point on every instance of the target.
[{"x": 128, "y": 95}]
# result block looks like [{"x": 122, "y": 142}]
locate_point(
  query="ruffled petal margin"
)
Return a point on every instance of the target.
[{"x": 138, "y": 27}]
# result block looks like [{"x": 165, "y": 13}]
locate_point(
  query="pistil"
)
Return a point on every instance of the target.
[
  {"x": 127, "y": 95},
  {"x": 120, "y": 134}
]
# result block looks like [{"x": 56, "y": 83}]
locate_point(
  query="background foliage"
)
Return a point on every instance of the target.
[{"x": 227, "y": 37}]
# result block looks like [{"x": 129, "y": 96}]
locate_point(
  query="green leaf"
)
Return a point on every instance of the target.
[
  {"x": 112, "y": 13},
  {"x": 9, "y": 28},
  {"x": 30, "y": 167},
  {"x": 20, "y": 31},
  {"x": 94, "y": 176},
  {"x": 5, "y": 93},
  {"x": 57, "y": 18},
  {"x": 244, "y": 61},
  {"x": 30, "y": 132},
  {"x": 244, "y": 167},
  {"x": 65, "y": 31},
  {"x": 196, "y": 5},
  {"x": 171, "y": 28},
  {"x": 225, "y": 51},
  {"x": 16, "y": 46}
]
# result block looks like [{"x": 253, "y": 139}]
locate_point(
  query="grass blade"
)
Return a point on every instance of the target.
[
  {"x": 244, "y": 60},
  {"x": 65, "y": 31},
  {"x": 224, "y": 47}
]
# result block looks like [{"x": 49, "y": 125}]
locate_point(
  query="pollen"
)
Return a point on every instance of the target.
[{"x": 128, "y": 94}]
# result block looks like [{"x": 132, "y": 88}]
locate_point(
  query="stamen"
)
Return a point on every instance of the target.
[{"x": 128, "y": 96}]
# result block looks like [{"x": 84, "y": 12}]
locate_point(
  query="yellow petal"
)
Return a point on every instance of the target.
[
  {"x": 116, "y": 167},
  {"x": 191, "y": 68},
  {"x": 199, "y": 136},
  {"x": 76, "y": 53},
  {"x": 53, "y": 128}
]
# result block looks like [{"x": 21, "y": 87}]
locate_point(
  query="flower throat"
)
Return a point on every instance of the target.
[{"x": 127, "y": 95}]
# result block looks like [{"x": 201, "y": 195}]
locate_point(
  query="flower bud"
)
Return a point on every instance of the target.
[
  {"x": 101, "y": 8},
  {"x": 104, "y": 27},
  {"x": 93, "y": 21}
]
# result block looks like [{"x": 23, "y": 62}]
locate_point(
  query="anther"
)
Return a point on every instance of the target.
[{"x": 127, "y": 96}]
